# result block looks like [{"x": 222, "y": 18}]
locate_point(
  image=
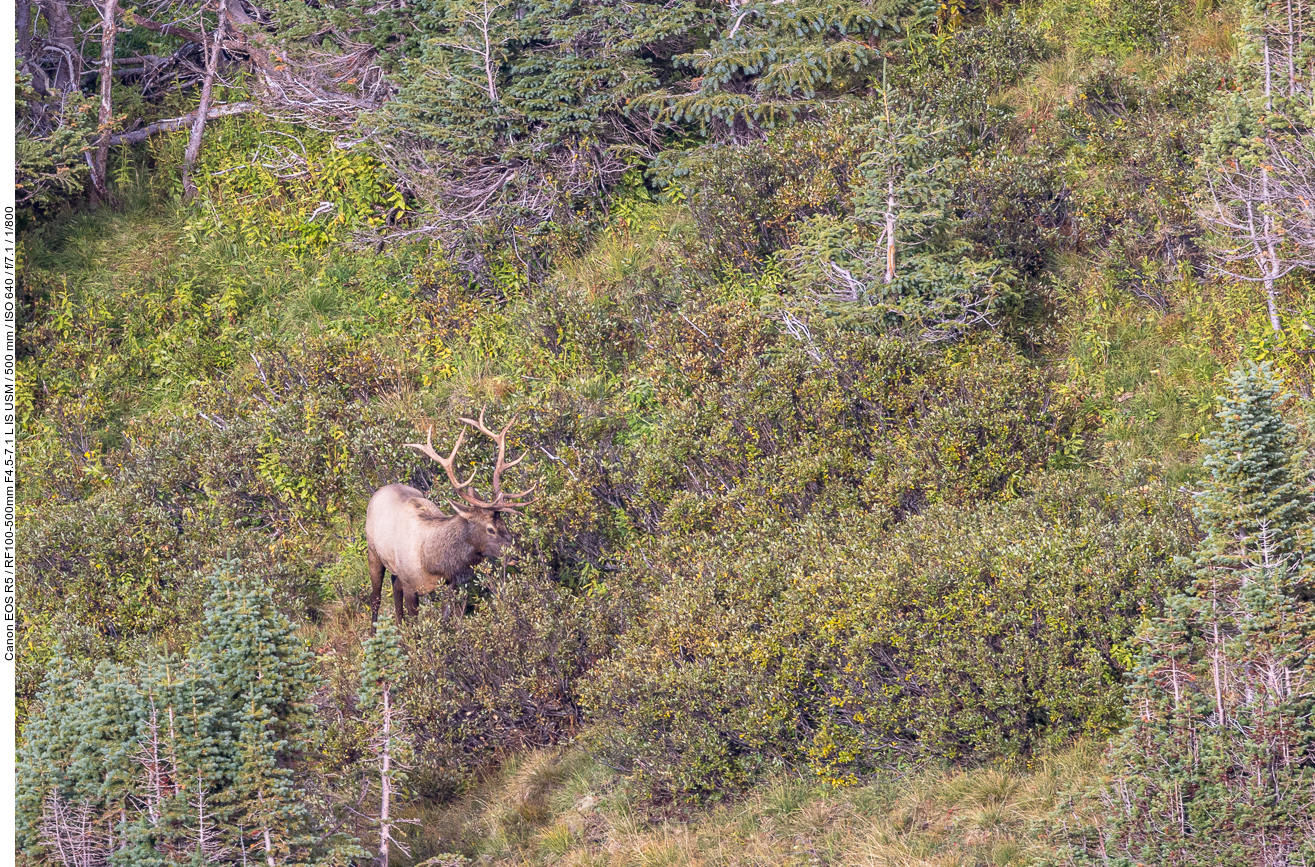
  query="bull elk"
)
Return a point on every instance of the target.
[{"x": 408, "y": 535}]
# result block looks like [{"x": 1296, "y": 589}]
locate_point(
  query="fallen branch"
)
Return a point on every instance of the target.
[
  {"x": 132, "y": 19},
  {"x": 140, "y": 135}
]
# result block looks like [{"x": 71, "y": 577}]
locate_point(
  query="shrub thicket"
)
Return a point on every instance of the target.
[{"x": 832, "y": 642}]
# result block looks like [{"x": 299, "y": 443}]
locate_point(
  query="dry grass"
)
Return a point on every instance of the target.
[{"x": 557, "y": 807}]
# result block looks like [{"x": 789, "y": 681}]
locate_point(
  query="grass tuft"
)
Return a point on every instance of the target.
[{"x": 562, "y": 807}]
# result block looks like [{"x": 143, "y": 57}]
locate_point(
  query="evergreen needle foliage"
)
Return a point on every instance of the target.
[
  {"x": 177, "y": 760},
  {"x": 1218, "y": 761}
]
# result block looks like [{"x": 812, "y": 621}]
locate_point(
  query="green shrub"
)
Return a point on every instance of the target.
[
  {"x": 502, "y": 678},
  {"x": 836, "y": 644},
  {"x": 773, "y": 426},
  {"x": 745, "y": 199}
]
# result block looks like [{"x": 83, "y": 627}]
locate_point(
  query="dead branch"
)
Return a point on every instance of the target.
[
  {"x": 140, "y": 135},
  {"x": 132, "y": 19},
  {"x": 198, "y": 125}
]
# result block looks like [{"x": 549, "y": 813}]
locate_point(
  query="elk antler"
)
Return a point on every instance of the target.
[
  {"x": 501, "y": 502},
  {"x": 449, "y": 464}
]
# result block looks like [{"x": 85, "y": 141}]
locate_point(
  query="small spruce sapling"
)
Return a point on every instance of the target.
[{"x": 383, "y": 668}]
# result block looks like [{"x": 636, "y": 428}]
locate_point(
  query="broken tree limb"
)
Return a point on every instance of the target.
[
  {"x": 202, "y": 111},
  {"x": 140, "y": 135},
  {"x": 132, "y": 19}
]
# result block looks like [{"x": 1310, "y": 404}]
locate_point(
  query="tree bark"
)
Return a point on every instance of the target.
[
  {"x": 140, "y": 135},
  {"x": 890, "y": 232},
  {"x": 62, "y": 36},
  {"x": 23, "y": 29},
  {"x": 385, "y": 781},
  {"x": 1271, "y": 265},
  {"x": 203, "y": 110},
  {"x": 100, "y": 158}
]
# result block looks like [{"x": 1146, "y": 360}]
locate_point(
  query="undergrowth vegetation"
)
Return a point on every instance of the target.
[
  {"x": 848, "y": 516},
  {"x": 562, "y": 807}
]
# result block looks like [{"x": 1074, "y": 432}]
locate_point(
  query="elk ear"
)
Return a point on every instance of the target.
[{"x": 460, "y": 512}]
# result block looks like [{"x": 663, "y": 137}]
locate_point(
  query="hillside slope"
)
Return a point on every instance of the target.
[{"x": 838, "y": 548}]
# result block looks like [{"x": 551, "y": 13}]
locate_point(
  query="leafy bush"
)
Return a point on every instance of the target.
[
  {"x": 501, "y": 678},
  {"x": 770, "y": 426},
  {"x": 747, "y": 198},
  {"x": 832, "y": 643}
]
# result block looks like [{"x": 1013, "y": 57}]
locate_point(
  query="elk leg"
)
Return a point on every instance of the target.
[
  {"x": 376, "y": 583},
  {"x": 412, "y": 602},
  {"x": 399, "y": 590}
]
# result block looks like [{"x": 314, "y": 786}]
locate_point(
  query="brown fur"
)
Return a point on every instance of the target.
[{"x": 409, "y": 536}]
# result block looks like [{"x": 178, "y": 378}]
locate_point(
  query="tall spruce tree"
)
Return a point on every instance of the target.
[
  {"x": 1217, "y": 763},
  {"x": 263, "y": 679}
]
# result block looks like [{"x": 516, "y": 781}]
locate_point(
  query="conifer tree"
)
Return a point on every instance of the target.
[
  {"x": 175, "y": 760},
  {"x": 1261, "y": 165},
  {"x": 899, "y": 258},
  {"x": 45, "y": 755},
  {"x": 263, "y": 676},
  {"x": 1215, "y": 765},
  {"x": 769, "y": 62},
  {"x": 106, "y": 742},
  {"x": 391, "y": 748}
]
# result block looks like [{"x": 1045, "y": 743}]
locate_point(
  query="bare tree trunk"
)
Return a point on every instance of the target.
[
  {"x": 386, "y": 788},
  {"x": 1292, "y": 53},
  {"x": 62, "y": 38},
  {"x": 23, "y": 29},
  {"x": 1272, "y": 267},
  {"x": 1217, "y": 651},
  {"x": 198, "y": 125},
  {"x": 100, "y": 158},
  {"x": 890, "y": 231},
  {"x": 485, "y": 48},
  {"x": 490, "y": 68}
]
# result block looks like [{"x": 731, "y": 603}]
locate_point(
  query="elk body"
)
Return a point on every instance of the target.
[{"x": 409, "y": 536}]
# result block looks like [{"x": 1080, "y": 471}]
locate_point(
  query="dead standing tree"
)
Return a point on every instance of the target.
[
  {"x": 72, "y": 833},
  {"x": 1262, "y": 198},
  {"x": 1256, "y": 210},
  {"x": 478, "y": 24},
  {"x": 203, "y": 110},
  {"x": 99, "y": 158},
  {"x": 70, "y": 55}
]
